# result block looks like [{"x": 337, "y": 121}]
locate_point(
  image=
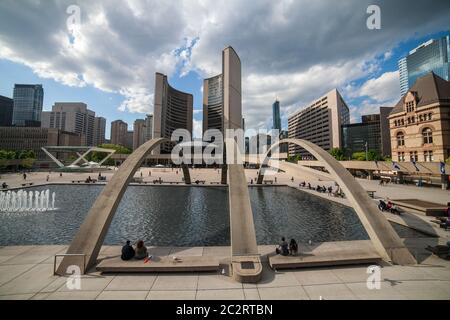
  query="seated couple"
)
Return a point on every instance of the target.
[
  {"x": 128, "y": 252},
  {"x": 286, "y": 249}
]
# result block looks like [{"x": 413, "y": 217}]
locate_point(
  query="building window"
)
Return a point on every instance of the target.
[
  {"x": 413, "y": 156},
  {"x": 429, "y": 116},
  {"x": 427, "y": 135},
  {"x": 420, "y": 118},
  {"x": 428, "y": 156},
  {"x": 400, "y": 139},
  {"x": 410, "y": 106},
  {"x": 395, "y": 123},
  {"x": 401, "y": 156}
]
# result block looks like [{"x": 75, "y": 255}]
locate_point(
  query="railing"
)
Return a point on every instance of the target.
[{"x": 70, "y": 254}]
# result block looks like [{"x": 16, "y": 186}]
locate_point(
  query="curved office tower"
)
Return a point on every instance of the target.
[
  {"x": 232, "y": 100},
  {"x": 222, "y": 106},
  {"x": 172, "y": 110},
  {"x": 212, "y": 103}
]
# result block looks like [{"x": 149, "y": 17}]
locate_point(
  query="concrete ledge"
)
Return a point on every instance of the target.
[
  {"x": 422, "y": 207},
  {"x": 160, "y": 264},
  {"x": 328, "y": 254}
]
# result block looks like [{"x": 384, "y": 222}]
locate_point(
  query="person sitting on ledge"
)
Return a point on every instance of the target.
[
  {"x": 293, "y": 247},
  {"x": 283, "y": 248},
  {"x": 127, "y": 251},
  {"x": 141, "y": 250},
  {"x": 4, "y": 185}
]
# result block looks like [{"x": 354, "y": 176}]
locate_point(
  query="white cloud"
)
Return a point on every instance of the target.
[
  {"x": 197, "y": 129},
  {"x": 384, "y": 88},
  {"x": 296, "y": 50}
]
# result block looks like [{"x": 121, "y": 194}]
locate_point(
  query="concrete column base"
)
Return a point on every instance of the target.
[{"x": 246, "y": 269}]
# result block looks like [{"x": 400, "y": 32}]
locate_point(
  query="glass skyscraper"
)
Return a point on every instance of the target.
[
  {"x": 276, "y": 115},
  {"x": 432, "y": 55},
  {"x": 28, "y": 100}
]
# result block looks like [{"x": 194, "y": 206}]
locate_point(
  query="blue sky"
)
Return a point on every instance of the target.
[{"x": 116, "y": 78}]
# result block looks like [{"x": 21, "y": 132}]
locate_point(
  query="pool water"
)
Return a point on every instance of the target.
[{"x": 185, "y": 216}]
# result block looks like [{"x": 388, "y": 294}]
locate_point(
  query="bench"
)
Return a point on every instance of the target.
[
  {"x": 371, "y": 193},
  {"x": 160, "y": 264},
  {"x": 27, "y": 184},
  {"x": 328, "y": 254}
]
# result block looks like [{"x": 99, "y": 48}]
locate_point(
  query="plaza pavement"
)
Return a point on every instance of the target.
[{"x": 26, "y": 271}]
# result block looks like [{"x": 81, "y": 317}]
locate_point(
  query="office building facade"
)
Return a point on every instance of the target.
[
  {"x": 420, "y": 122},
  {"x": 129, "y": 140},
  {"x": 34, "y": 138},
  {"x": 119, "y": 131},
  {"x": 148, "y": 131},
  {"x": 72, "y": 117},
  {"x": 173, "y": 109},
  {"x": 385, "y": 131},
  {"x": 99, "y": 131},
  {"x": 320, "y": 122},
  {"x": 138, "y": 133},
  {"x": 432, "y": 55},
  {"x": 28, "y": 101},
  {"x": 6, "y": 111},
  {"x": 361, "y": 137}
]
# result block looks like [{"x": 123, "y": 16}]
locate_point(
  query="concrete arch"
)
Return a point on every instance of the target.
[
  {"x": 89, "y": 238},
  {"x": 384, "y": 238}
]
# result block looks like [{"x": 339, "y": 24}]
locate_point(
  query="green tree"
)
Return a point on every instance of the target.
[
  {"x": 372, "y": 155},
  {"x": 448, "y": 160},
  {"x": 7, "y": 154},
  {"x": 338, "y": 153},
  {"x": 26, "y": 154},
  {"x": 27, "y": 163},
  {"x": 294, "y": 159}
]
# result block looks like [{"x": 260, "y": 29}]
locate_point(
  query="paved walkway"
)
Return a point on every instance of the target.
[{"x": 26, "y": 273}]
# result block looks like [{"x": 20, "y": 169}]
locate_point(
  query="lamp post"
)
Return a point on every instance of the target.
[{"x": 367, "y": 152}]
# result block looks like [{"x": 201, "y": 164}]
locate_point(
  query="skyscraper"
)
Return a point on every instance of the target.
[
  {"x": 99, "y": 131},
  {"x": 222, "y": 106},
  {"x": 172, "y": 110},
  {"x": 28, "y": 101},
  {"x": 432, "y": 55},
  {"x": 119, "y": 130},
  {"x": 72, "y": 117},
  {"x": 6, "y": 111},
  {"x": 320, "y": 122},
  {"x": 212, "y": 103},
  {"x": 232, "y": 97},
  {"x": 276, "y": 115},
  {"x": 148, "y": 134},
  {"x": 138, "y": 133}
]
